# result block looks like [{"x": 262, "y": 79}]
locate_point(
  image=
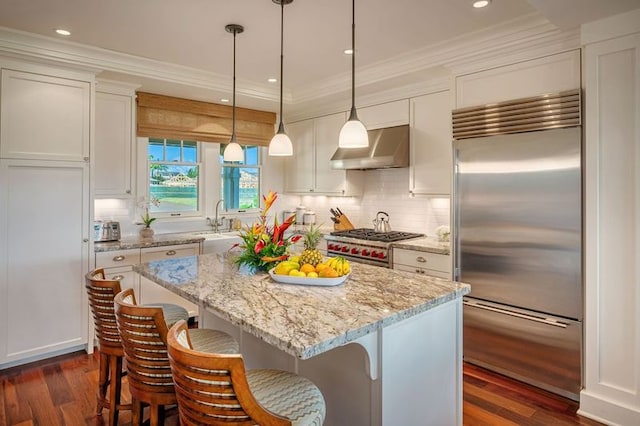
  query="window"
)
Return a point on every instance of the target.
[
  {"x": 240, "y": 187},
  {"x": 174, "y": 176}
]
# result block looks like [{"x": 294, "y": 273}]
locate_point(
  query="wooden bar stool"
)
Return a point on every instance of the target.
[
  {"x": 143, "y": 332},
  {"x": 215, "y": 389},
  {"x": 101, "y": 292}
]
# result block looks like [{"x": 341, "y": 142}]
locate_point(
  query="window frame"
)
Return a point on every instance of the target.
[
  {"x": 201, "y": 180},
  {"x": 241, "y": 165}
]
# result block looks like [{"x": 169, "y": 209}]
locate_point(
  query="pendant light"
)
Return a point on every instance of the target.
[
  {"x": 353, "y": 133},
  {"x": 233, "y": 150},
  {"x": 281, "y": 145}
]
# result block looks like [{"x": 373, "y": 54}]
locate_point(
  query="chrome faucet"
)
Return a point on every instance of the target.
[{"x": 217, "y": 222}]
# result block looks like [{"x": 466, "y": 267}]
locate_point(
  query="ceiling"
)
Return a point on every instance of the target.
[{"x": 190, "y": 34}]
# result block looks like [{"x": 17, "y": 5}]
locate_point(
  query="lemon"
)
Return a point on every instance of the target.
[{"x": 312, "y": 275}]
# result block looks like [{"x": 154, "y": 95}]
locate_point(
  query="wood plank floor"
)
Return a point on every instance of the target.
[{"x": 61, "y": 391}]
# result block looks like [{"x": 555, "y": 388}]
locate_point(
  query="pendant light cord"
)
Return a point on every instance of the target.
[
  {"x": 281, "y": 59},
  {"x": 353, "y": 61},
  {"x": 233, "y": 114}
]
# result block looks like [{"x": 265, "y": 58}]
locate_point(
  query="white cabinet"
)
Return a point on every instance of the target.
[
  {"x": 44, "y": 117},
  {"x": 420, "y": 262},
  {"x": 309, "y": 170},
  {"x": 44, "y": 254},
  {"x": 553, "y": 73},
  {"x": 431, "y": 155},
  {"x": 115, "y": 133},
  {"x": 388, "y": 114},
  {"x": 612, "y": 222},
  {"x": 118, "y": 265},
  {"x": 151, "y": 292},
  {"x": 45, "y": 128}
]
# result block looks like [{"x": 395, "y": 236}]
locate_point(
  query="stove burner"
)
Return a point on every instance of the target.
[{"x": 371, "y": 235}]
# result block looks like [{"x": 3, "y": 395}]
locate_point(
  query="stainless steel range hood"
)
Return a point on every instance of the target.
[{"x": 388, "y": 147}]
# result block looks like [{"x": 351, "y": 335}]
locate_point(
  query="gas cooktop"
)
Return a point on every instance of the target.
[{"x": 371, "y": 235}]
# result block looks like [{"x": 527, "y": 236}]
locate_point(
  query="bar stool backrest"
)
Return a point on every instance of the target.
[{"x": 101, "y": 292}]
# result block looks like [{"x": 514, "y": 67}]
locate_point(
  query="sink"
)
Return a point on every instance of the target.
[
  {"x": 216, "y": 242},
  {"x": 211, "y": 235}
]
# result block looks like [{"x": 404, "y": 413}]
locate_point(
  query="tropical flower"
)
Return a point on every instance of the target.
[{"x": 264, "y": 246}]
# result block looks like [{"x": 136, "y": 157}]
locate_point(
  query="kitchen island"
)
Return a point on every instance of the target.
[{"x": 384, "y": 347}]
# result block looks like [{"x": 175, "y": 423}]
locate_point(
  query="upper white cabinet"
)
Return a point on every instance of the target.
[
  {"x": 431, "y": 153},
  {"x": 309, "y": 170},
  {"x": 44, "y": 117},
  {"x": 388, "y": 114},
  {"x": 549, "y": 74},
  {"x": 115, "y": 133}
]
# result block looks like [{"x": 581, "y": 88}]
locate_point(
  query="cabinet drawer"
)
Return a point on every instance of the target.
[
  {"x": 420, "y": 259},
  {"x": 169, "y": 252},
  {"x": 111, "y": 259}
]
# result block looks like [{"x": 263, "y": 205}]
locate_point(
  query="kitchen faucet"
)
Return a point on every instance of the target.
[{"x": 217, "y": 222}]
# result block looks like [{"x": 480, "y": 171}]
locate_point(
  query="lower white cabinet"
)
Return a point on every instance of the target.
[
  {"x": 420, "y": 262},
  {"x": 44, "y": 255},
  {"x": 118, "y": 264}
]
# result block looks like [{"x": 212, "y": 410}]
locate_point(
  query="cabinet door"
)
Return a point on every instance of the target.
[
  {"x": 431, "y": 150},
  {"x": 299, "y": 173},
  {"x": 44, "y": 117},
  {"x": 388, "y": 114},
  {"x": 327, "y": 131},
  {"x": 127, "y": 277},
  {"x": 44, "y": 255},
  {"x": 169, "y": 252},
  {"x": 114, "y": 135}
]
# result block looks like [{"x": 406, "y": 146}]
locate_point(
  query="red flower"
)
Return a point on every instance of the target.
[{"x": 259, "y": 246}]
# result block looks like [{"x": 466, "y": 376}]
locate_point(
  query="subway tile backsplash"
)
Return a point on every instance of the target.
[{"x": 385, "y": 190}]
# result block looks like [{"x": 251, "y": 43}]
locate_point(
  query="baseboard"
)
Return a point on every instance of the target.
[{"x": 609, "y": 412}]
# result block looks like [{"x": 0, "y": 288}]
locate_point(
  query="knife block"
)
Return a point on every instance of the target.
[{"x": 344, "y": 224}]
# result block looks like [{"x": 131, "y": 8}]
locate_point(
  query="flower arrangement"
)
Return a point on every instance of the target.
[
  {"x": 264, "y": 246},
  {"x": 146, "y": 204}
]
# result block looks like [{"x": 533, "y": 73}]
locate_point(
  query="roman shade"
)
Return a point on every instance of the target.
[{"x": 161, "y": 116}]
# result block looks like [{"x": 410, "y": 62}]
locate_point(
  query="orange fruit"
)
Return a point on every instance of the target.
[
  {"x": 320, "y": 267},
  {"x": 306, "y": 268},
  {"x": 328, "y": 272}
]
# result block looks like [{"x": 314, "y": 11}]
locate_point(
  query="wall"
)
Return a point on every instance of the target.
[{"x": 385, "y": 190}]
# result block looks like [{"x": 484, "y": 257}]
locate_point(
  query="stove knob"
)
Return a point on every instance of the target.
[
  {"x": 345, "y": 249},
  {"x": 381, "y": 255},
  {"x": 374, "y": 254},
  {"x": 354, "y": 251},
  {"x": 365, "y": 252},
  {"x": 329, "y": 246}
]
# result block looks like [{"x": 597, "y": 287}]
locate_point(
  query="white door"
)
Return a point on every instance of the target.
[{"x": 44, "y": 254}]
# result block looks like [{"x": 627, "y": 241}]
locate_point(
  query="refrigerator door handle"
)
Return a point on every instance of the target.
[{"x": 543, "y": 320}]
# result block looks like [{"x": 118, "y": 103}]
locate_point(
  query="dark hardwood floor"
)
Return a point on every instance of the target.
[{"x": 62, "y": 391}]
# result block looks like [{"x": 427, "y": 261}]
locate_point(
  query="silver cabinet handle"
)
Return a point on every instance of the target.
[
  {"x": 547, "y": 321},
  {"x": 119, "y": 258},
  {"x": 118, "y": 277},
  {"x": 85, "y": 240},
  {"x": 421, "y": 259},
  {"x": 171, "y": 253}
]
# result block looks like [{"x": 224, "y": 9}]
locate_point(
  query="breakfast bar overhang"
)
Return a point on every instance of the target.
[{"x": 385, "y": 347}]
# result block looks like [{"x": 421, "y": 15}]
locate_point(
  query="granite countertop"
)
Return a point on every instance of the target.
[
  {"x": 426, "y": 244},
  {"x": 303, "y": 321},
  {"x": 158, "y": 240}
]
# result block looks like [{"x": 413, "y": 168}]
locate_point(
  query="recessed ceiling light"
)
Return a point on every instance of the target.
[
  {"x": 272, "y": 80},
  {"x": 63, "y": 32},
  {"x": 348, "y": 51},
  {"x": 224, "y": 100},
  {"x": 481, "y": 3}
]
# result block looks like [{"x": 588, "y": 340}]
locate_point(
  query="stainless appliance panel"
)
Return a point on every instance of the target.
[
  {"x": 518, "y": 219},
  {"x": 541, "y": 350}
]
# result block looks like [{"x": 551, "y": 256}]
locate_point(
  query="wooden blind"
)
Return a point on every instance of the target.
[{"x": 175, "y": 118}]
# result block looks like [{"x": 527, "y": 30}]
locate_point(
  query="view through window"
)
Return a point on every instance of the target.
[
  {"x": 241, "y": 180},
  {"x": 174, "y": 175}
]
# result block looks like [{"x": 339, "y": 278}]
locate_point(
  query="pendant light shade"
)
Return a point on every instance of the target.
[
  {"x": 281, "y": 145},
  {"x": 233, "y": 151},
  {"x": 353, "y": 133}
]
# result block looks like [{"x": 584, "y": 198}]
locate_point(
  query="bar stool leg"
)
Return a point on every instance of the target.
[
  {"x": 115, "y": 374},
  {"x": 103, "y": 383},
  {"x": 136, "y": 412}
]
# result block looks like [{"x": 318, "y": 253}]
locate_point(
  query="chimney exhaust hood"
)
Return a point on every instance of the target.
[{"x": 388, "y": 147}]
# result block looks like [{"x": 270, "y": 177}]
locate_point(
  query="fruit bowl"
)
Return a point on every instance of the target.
[{"x": 326, "y": 282}]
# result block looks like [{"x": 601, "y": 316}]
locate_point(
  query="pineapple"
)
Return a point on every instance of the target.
[{"x": 311, "y": 254}]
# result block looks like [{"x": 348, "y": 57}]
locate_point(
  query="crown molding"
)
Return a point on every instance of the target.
[
  {"x": 471, "y": 51},
  {"x": 95, "y": 59}
]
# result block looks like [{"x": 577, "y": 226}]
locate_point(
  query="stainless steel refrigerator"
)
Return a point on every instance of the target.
[{"x": 517, "y": 238}]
